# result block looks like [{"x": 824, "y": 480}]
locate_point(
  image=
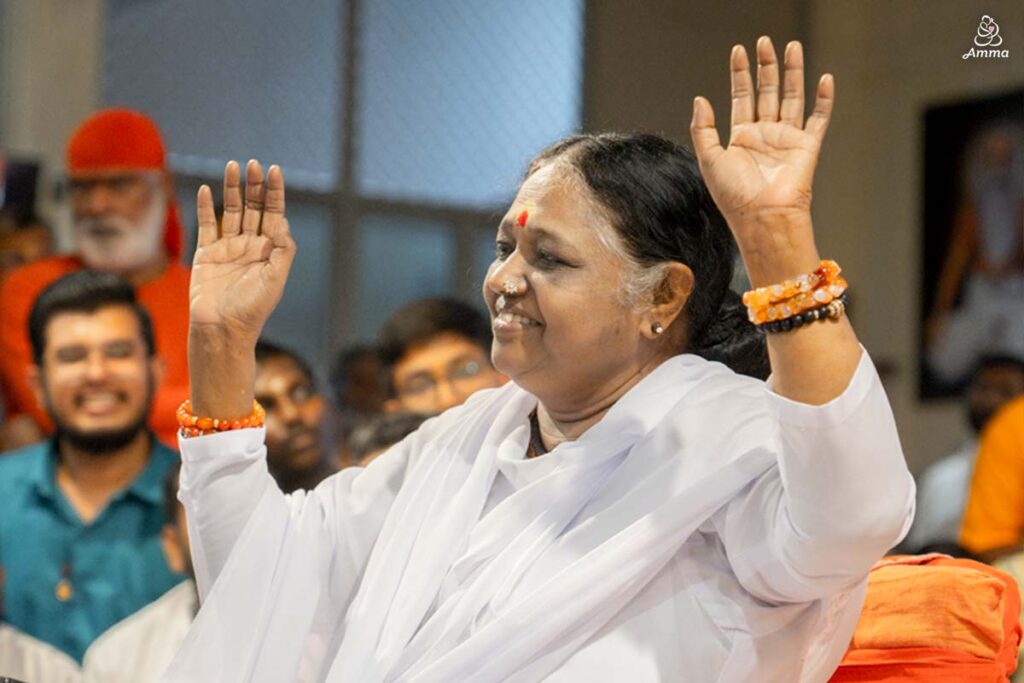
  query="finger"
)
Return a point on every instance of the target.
[
  {"x": 207, "y": 217},
  {"x": 792, "y": 111},
  {"x": 767, "y": 81},
  {"x": 703, "y": 132},
  {"x": 231, "y": 223},
  {"x": 825, "y": 98},
  {"x": 273, "y": 204},
  {"x": 253, "y": 198},
  {"x": 742, "y": 87}
]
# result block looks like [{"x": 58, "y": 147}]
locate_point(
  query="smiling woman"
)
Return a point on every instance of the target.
[{"x": 680, "y": 519}]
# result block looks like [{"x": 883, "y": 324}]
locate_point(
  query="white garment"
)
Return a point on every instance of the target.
[
  {"x": 27, "y": 659},
  {"x": 138, "y": 648},
  {"x": 705, "y": 528},
  {"x": 942, "y": 498}
]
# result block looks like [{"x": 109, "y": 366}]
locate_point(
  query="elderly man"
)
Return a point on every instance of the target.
[
  {"x": 81, "y": 514},
  {"x": 125, "y": 222}
]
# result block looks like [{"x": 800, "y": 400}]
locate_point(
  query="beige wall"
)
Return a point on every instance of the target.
[{"x": 891, "y": 59}]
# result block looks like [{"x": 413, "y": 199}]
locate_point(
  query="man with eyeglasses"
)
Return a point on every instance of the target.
[
  {"x": 125, "y": 222},
  {"x": 436, "y": 353}
]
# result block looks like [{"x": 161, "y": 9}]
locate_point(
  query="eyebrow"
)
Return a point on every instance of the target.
[{"x": 540, "y": 231}]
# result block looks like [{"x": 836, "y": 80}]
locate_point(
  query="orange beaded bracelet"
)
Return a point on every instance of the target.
[
  {"x": 202, "y": 426},
  {"x": 775, "y": 302}
]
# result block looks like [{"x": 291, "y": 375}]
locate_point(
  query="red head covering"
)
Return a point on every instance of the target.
[{"x": 123, "y": 140}]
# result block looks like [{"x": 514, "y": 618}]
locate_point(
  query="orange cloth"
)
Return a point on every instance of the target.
[
  {"x": 937, "y": 619},
  {"x": 123, "y": 140},
  {"x": 994, "y": 516},
  {"x": 166, "y": 299}
]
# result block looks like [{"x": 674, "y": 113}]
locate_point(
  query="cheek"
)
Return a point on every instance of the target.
[{"x": 313, "y": 412}]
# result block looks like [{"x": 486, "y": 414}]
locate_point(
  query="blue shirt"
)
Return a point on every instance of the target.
[{"x": 67, "y": 581}]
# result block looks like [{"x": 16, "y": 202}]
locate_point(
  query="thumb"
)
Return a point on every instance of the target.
[{"x": 706, "y": 143}]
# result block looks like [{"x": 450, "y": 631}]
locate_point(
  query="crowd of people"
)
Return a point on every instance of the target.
[{"x": 97, "y": 581}]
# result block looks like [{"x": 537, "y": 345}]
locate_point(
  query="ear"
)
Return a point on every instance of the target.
[
  {"x": 392, "y": 405},
  {"x": 173, "y": 552},
  {"x": 668, "y": 300},
  {"x": 34, "y": 375}
]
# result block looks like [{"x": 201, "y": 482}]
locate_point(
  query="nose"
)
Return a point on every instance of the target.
[
  {"x": 448, "y": 395},
  {"x": 95, "y": 200},
  {"x": 96, "y": 367},
  {"x": 511, "y": 270},
  {"x": 288, "y": 412}
]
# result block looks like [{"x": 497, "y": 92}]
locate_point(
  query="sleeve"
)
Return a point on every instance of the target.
[
  {"x": 994, "y": 516},
  {"x": 840, "y": 497},
  {"x": 225, "y": 486}
]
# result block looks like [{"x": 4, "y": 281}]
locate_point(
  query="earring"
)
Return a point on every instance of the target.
[{"x": 656, "y": 328}]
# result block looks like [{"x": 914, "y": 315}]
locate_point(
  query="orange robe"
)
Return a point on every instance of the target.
[{"x": 166, "y": 299}]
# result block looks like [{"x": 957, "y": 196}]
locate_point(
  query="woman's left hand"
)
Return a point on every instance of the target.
[{"x": 762, "y": 181}]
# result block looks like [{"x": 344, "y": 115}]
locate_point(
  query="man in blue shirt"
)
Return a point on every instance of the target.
[{"x": 81, "y": 513}]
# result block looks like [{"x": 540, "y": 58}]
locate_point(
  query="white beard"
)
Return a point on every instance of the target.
[{"x": 115, "y": 244}]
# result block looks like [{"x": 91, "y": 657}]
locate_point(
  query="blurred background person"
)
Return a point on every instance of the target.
[
  {"x": 993, "y": 525},
  {"x": 436, "y": 353},
  {"x": 301, "y": 448},
  {"x": 125, "y": 222},
  {"x": 358, "y": 388},
  {"x": 24, "y": 658},
  {"x": 373, "y": 437},
  {"x": 81, "y": 513},
  {"x": 942, "y": 489},
  {"x": 139, "y": 648}
]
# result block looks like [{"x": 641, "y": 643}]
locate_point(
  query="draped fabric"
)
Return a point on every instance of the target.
[{"x": 668, "y": 536}]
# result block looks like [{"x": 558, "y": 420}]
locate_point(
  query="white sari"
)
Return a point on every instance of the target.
[{"x": 705, "y": 529}]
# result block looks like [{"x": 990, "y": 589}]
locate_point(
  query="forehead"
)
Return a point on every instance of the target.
[
  {"x": 115, "y": 322},
  {"x": 278, "y": 373},
  {"x": 559, "y": 203},
  {"x": 437, "y": 351},
  {"x": 112, "y": 173}
]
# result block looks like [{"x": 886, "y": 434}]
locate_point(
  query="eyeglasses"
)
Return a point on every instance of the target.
[{"x": 422, "y": 383}]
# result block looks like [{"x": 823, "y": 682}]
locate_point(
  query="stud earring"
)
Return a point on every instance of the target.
[{"x": 656, "y": 328}]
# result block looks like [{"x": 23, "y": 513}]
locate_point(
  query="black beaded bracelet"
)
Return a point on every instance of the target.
[{"x": 807, "y": 317}]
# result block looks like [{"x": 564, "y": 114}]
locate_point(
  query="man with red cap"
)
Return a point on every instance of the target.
[{"x": 125, "y": 222}]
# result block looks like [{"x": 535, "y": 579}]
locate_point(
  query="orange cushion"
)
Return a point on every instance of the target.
[{"x": 935, "y": 618}]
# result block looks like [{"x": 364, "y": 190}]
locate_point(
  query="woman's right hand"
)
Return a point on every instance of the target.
[{"x": 238, "y": 276}]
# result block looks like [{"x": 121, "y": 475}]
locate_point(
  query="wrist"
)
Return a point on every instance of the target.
[
  {"x": 222, "y": 371},
  {"x": 777, "y": 248}
]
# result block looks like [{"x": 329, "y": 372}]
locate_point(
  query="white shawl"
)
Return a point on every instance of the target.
[{"x": 452, "y": 594}]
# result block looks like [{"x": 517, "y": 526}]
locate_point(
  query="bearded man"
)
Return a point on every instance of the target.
[
  {"x": 81, "y": 514},
  {"x": 126, "y": 223}
]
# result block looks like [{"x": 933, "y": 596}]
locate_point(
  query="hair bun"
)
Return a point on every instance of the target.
[{"x": 731, "y": 339}]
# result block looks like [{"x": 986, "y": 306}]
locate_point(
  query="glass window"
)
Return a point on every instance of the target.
[
  {"x": 455, "y": 98},
  {"x": 401, "y": 258},
  {"x": 232, "y": 79}
]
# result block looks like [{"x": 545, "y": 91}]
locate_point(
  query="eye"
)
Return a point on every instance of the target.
[
  {"x": 119, "y": 349},
  {"x": 503, "y": 249},
  {"x": 546, "y": 259}
]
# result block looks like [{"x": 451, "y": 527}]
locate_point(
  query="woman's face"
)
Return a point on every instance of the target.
[{"x": 570, "y": 339}]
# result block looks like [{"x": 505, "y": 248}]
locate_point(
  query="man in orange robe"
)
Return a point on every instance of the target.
[{"x": 125, "y": 222}]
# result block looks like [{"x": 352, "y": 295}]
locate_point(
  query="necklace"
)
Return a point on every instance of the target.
[{"x": 536, "y": 447}]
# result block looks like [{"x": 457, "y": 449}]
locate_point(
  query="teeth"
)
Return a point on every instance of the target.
[
  {"x": 507, "y": 318},
  {"x": 99, "y": 399}
]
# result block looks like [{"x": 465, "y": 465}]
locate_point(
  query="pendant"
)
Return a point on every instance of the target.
[{"x": 64, "y": 590}]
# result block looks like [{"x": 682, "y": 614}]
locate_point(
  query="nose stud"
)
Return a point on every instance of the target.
[{"x": 510, "y": 287}]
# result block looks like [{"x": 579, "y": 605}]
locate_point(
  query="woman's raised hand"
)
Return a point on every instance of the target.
[
  {"x": 762, "y": 181},
  {"x": 239, "y": 271},
  {"x": 238, "y": 276}
]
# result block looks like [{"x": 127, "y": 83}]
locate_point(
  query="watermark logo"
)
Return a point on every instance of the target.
[{"x": 987, "y": 40}]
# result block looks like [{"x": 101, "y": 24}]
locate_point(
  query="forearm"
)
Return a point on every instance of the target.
[
  {"x": 222, "y": 372},
  {"x": 811, "y": 364}
]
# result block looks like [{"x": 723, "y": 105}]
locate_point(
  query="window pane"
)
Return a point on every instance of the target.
[
  {"x": 400, "y": 259},
  {"x": 232, "y": 79},
  {"x": 455, "y": 98},
  {"x": 300, "y": 320}
]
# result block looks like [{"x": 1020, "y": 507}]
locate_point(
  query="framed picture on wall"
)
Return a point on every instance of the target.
[{"x": 972, "y": 290}]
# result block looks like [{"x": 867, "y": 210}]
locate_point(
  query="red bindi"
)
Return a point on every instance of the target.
[{"x": 521, "y": 219}]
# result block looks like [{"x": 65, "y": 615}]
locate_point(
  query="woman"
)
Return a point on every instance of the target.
[{"x": 619, "y": 511}]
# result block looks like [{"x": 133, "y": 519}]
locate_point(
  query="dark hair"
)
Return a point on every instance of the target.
[
  {"x": 382, "y": 431},
  {"x": 657, "y": 201},
  {"x": 84, "y": 291},
  {"x": 422, "y": 320},
  {"x": 998, "y": 360},
  {"x": 170, "y": 489},
  {"x": 266, "y": 350}
]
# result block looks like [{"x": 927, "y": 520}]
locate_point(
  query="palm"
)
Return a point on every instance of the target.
[
  {"x": 768, "y": 167},
  {"x": 239, "y": 275}
]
